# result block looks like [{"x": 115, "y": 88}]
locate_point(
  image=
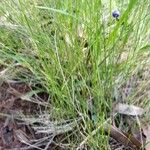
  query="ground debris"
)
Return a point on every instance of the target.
[{"x": 13, "y": 129}]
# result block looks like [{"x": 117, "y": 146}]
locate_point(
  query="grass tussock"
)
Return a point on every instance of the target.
[{"x": 79, "y": 55}]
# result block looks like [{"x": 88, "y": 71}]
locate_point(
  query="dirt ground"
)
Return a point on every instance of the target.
[
  {"x": 17, "y": 134},
  {"x": 12, "y": 106}
]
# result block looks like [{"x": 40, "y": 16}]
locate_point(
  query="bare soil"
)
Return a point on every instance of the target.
[{"x": 10, "y": 106}]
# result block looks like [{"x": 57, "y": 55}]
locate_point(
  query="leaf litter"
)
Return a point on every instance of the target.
[
  {"x": 128, "y": 109},
  {"x": 131, "y": 97},
  {"x": 127, "y": 131},
  {"x": 146, "y": 131},
  {"x": 19, "y": 105},
  {"x": 23, "y": 123}
]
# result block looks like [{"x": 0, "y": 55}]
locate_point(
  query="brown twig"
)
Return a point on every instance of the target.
[{"x": 115, "y": 133}]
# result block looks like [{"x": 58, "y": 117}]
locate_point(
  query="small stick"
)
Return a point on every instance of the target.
[
  {"x": 93, "y": 133},
  {"x": 116, "y": 134}
]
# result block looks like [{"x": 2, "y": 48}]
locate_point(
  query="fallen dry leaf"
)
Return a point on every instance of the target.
[
  {"x": 128, "y": 109},
  {"x": 122, "y": 137},
  {"x": 146, "y": 131}
]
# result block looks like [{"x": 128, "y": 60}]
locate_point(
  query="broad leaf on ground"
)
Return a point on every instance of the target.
[{"x": 128, "y": 109}]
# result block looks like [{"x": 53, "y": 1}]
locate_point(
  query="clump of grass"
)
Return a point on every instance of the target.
[{"x": 74, "y": 49}]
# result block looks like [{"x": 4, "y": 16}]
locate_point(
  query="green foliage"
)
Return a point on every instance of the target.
[{"x": 72, "y": 48}]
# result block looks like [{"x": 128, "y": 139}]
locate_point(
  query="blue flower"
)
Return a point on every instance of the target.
[{"x": 116, "y": 14}]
